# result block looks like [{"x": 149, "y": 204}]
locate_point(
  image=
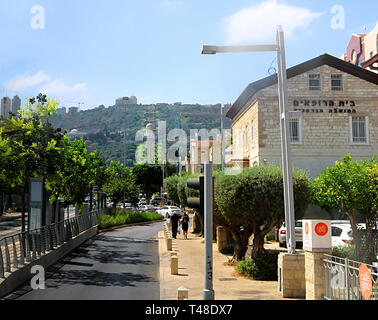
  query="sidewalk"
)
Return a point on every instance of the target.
[
  {"x": 227, "y": 284},
  {"x": 10, "y": 223}
]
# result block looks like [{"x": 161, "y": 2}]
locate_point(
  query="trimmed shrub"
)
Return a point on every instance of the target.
[
  {"x": 345, "y": 251},
  {"x": 127, "y": 217},
  {"x": 262, "y": 268}
]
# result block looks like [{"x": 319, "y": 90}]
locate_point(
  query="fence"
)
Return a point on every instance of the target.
[
  {"x": 22, "y": 248},
  {"x": 342, "y": 279}
]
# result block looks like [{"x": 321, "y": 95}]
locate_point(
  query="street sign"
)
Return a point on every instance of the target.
[
  {"x": 317, "y": 234},
  {"x": 36, "y": 216}
]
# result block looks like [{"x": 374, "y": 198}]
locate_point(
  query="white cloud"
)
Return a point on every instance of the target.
[
  {"x": 259, "y": 23},
  {"x": 22, "y": 82},
  {"x": 56, "y": 88},
  {"x": 59, "y": 87}
]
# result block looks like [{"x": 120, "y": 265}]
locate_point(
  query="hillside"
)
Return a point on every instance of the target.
[{"x": 103, "y": 128}]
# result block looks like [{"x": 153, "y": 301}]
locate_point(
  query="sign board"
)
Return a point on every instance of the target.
[
  {"x": 317, "y": 234},
  {"x": 366, "y": 284},
  {"x": 36, "y": 214}
]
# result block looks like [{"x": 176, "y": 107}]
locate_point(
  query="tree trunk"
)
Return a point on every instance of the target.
[
  {"x": 240, "y": 243},
  {"x": 258, "y": 244}
]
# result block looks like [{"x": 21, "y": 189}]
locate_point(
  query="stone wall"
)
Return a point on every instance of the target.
[{"x": 325, "y": 128}]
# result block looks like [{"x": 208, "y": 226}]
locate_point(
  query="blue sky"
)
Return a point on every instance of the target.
[{"x": 94, "y": 51}]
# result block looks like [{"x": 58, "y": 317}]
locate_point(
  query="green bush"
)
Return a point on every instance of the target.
[
  {"x": 345, "y": 251},
  {"x": 261, "y": 268},
  {"x": 127, "y": 217}
]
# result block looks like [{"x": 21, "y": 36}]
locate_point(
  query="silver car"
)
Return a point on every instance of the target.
[
  {"x": 298, "y": 234},
  {"x": 147, "y": 208}
]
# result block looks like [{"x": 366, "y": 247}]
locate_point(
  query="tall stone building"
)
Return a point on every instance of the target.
[
  {"x": 339, "y": 105},
  {"x": 6, "y": 104},
  {"x": 16, "y": 104}
]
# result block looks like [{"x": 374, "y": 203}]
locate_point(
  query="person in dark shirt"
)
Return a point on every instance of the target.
[
  {"x": 174, "y": 222},
  {"x": 185, "y": 225}
]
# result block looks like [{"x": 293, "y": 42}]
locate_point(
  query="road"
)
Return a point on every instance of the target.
[{"x": 122, "y": 264}]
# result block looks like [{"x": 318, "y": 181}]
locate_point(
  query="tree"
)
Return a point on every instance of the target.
[
  {"x": 120, "y": 184},
  {"x": 149, "y": 178},
  {"x": 76, "y": 171},
  {"x": 253, "y": 203},
  {"x": 27, "y": 141},
  {"x": 351, "y": 187}
]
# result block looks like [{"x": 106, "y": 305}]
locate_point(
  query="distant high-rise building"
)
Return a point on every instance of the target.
[
  {"x": 126, "y": 101},
  {"x": 16, "y": 104},
  {"x": 5, "y": 107}
]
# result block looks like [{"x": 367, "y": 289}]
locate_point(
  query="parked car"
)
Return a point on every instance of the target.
[
  {"x": 158, "y": 200},
  {"x": 142, "y": 202},
  {"x": 147, "y": 208},
  {"x": 128, "y": 205},
  {"x": 298, "y": 234},
  {"x": 168, "y": 211},
  {"x": 342, "y": 234}
]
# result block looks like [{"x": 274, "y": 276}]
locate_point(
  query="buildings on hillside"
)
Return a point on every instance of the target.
[
  {"x": 362, "y": 50},
  {"x": 121, "y": 102},
  {"x": 339, "y": 105},
  {"x": 10, "y": 105}
]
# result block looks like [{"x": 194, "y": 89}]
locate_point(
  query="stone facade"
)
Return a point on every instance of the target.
[
  {"x": 324, "y": 126},
  {"x": 291, "y": 275},
  {"x": 315, "y": 274}
]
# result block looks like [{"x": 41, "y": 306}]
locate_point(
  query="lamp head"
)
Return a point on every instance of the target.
[{"x": 209, "y": 49}]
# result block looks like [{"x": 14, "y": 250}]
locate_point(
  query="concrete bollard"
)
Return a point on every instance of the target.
[
  {"x": 169, "y": 244},
  {"x": 174, "y": 264},
  {"x": 182, "y": 293},
  {"x": 221, "y": 238}
]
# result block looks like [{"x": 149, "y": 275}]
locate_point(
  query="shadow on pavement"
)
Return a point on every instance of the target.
[{"x": 96, "y": 278}]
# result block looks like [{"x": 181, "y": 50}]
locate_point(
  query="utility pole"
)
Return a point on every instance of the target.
[
  {"x": 208, "y": 292},
  {"x": 125, "y": 134},
  {"x": 279, "y": 48}
]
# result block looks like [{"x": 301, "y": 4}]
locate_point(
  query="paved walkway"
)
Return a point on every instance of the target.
[
  {"x": 227, "y": 284},
  {"x": 10, "y": 223}
]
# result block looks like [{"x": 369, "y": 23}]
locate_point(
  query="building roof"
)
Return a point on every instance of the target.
[{"x": 249, "y": 92}]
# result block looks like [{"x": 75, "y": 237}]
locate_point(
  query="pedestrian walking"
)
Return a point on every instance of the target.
[
  {"x": 174, "y": 223},
  {"x": 185, "y": 225}
]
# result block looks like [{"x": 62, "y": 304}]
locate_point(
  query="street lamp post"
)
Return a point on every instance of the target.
[
  {"x": 279, "y": 47},
  {"x": 125, "y": 135}
]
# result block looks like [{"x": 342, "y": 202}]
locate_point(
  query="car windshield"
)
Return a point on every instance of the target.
[{"x": 298, "y": 224}]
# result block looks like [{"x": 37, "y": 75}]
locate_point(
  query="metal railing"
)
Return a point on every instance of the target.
[
  {"x": 342, "y": 279},
  {"x": 22, "y": 248}
]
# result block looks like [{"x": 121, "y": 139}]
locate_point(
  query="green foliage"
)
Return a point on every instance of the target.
[
  {"x": 127, "y": 217},
  {"x": 348, "y": 186},
  {"x": 352, "y": 187},
  {"x": 104, "y": 127},
  {"x": 120, "y": 183},
  {"x": 263, "y": 267},
  {"x": 344, "y": 251},
  {"x": 253, "y": 202},
  {"x": 149, "y": 178},
  {"x": 171, "y": 187},
  {"x": 39, "y": 106}
]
